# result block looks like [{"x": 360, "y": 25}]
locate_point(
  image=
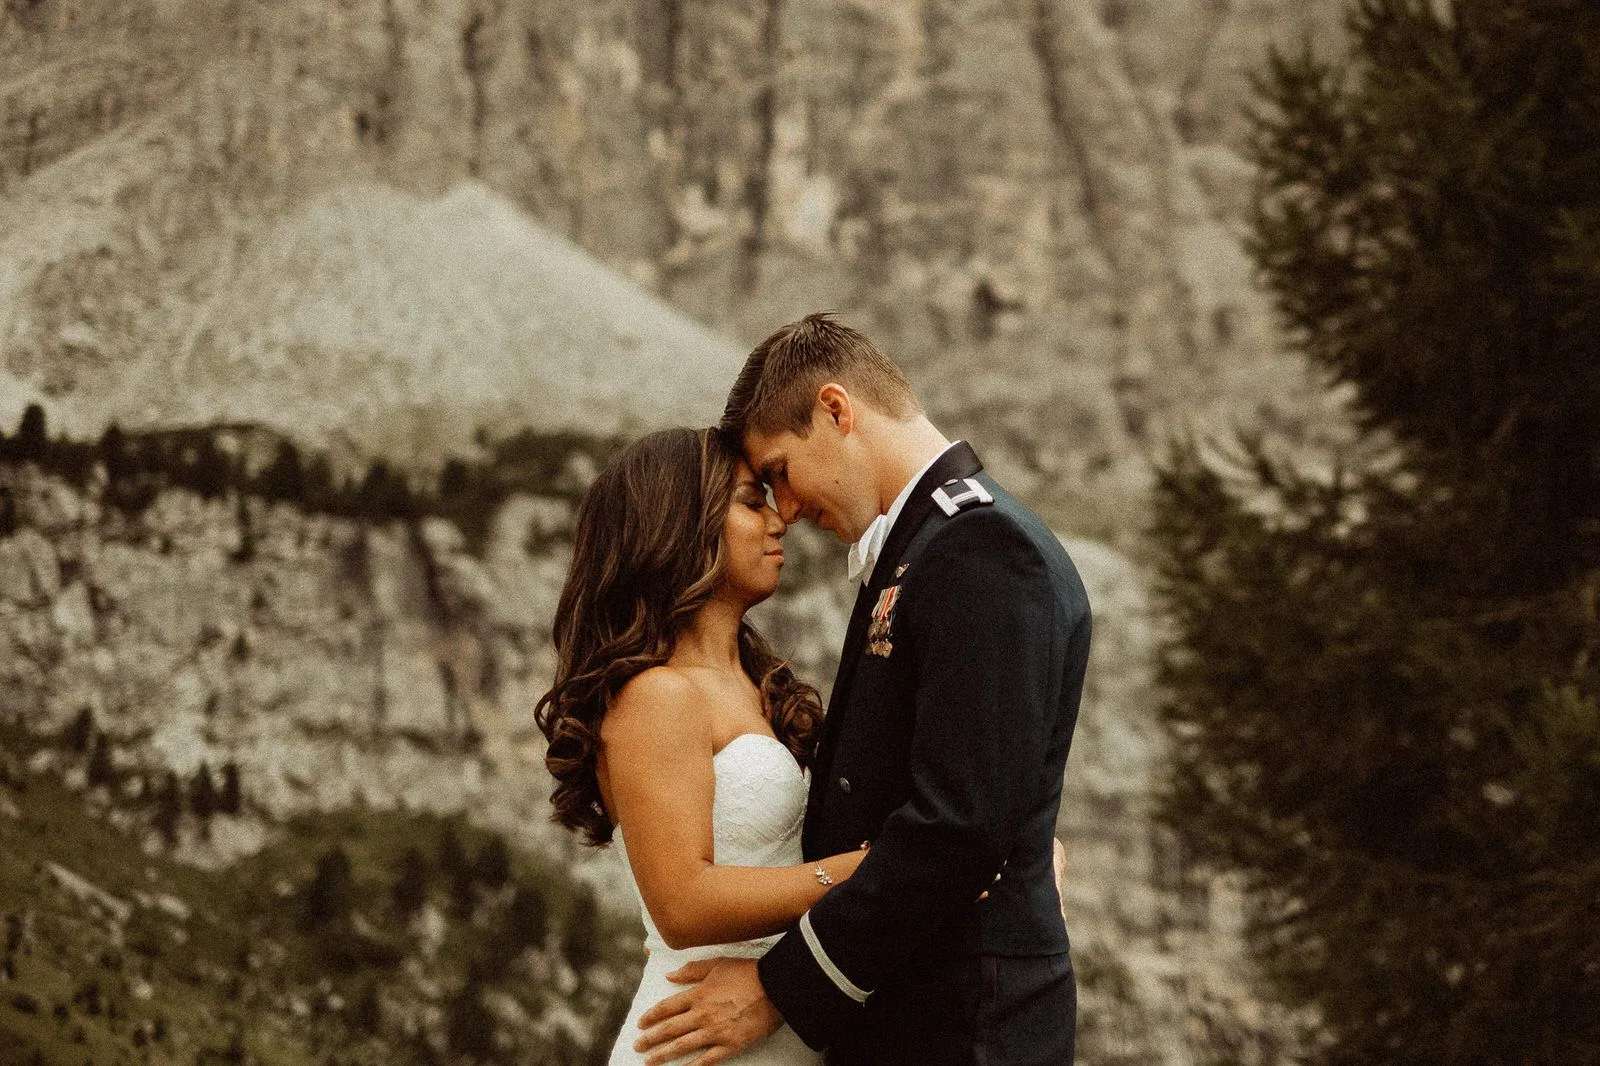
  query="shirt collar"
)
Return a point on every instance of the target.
[{"x": 864, "y": 552}]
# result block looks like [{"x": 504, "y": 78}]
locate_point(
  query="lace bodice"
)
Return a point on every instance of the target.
[{"x": 756, "y": 813}]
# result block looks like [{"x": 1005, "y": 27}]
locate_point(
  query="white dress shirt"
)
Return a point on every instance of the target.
[{"x": 864, "y": 552}]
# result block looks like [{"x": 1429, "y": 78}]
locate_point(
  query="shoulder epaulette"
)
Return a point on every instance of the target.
[{"x": 969, "y": 494}]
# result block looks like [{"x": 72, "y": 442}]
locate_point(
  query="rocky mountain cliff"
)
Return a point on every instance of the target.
[{"x": 1035, "y": 204}]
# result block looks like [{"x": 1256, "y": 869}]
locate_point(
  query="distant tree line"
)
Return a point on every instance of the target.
[
  {"x": 139, "y": 464},
  {"x": 202, "y": 795}
]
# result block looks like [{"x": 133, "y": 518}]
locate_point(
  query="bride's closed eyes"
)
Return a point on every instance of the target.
[{"x": 752, "y": 495}]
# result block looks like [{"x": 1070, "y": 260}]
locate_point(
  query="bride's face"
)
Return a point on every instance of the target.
[{"x": 751, "y": 539}]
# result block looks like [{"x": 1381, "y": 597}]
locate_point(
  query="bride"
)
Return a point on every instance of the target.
[{"x": 674, "y": 730}]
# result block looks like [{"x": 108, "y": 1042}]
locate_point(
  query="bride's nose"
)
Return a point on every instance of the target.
[{"x": 782, "y": 526}]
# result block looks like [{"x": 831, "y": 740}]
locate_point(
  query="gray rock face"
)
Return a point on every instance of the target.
[
  {"x": 325, "y": 682},
  {"x": 322, "y": 216}
]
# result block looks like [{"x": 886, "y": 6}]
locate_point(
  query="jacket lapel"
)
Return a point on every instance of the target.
[{"x": 958, "y": 461}]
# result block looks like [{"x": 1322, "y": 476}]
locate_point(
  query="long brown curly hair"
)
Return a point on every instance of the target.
[{"x": 648, "y": 555}]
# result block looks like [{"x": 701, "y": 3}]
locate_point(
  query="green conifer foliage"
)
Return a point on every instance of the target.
[
  {"x": 100, "y": 770},
  {"x": 32, "y": 438},
  {"x": 327, "y": 897},
  {"x": 410, "y": 888},
  {"x": 580, "y": 939},
  {"x": 284, "y": 478},
  {"x": 203, "y": 798},
  {"x": 1381, "y": 682},
  {"x": 492, "y": 866},
  {"x": 169, "y": 809},
  {"x": 77, "y": 736},
  {"x": 231, "y": 799},
  {"x": 527, "y": 919}
]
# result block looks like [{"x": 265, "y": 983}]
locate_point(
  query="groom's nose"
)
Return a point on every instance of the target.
[{"x": 788, "y": 506}]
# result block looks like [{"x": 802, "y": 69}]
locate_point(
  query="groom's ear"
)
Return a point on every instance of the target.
[{"x": 837, "y": 407}]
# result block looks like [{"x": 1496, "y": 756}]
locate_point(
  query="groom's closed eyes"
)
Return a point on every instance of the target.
[{"x": 772, "y": 470}]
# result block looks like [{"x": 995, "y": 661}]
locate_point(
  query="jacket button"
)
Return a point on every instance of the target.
[{"x": 844, "y": 784}]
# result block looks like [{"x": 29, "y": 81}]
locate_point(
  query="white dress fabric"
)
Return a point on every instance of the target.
[{"x": 759, "y": 805}]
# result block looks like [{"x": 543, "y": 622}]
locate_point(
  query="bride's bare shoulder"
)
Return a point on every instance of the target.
[{"x": 660, "y": 705}]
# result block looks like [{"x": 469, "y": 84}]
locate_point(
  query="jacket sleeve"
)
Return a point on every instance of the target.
[{"x": 978, "y": 615}]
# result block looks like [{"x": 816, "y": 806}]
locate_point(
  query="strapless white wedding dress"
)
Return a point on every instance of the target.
[{"x": 759, "y": 805}]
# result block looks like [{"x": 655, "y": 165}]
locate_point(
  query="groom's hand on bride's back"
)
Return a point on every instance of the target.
[{"x": 722, "y": 1013}]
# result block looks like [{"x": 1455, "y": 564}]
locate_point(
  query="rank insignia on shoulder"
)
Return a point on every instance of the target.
[
  {"x": 878, "y": 629},
  {"x": 968, "y": 493}
]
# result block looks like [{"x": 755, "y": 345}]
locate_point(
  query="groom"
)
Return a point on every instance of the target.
[{"x": 944, "y": 744}]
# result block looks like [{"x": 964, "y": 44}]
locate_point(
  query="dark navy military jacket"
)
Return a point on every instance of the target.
[{"x": 945, "y": 743}]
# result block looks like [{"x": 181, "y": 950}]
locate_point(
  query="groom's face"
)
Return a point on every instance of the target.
[{"x": 818, "y": 477}]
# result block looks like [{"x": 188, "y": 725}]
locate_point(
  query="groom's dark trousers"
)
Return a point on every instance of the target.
[{"x": 945, "y": 744}]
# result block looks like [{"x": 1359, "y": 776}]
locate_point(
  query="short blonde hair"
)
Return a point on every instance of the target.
[{"x": 777, "y": 388}]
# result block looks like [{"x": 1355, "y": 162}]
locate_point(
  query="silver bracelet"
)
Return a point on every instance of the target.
[{"x": 823, "y": 878}]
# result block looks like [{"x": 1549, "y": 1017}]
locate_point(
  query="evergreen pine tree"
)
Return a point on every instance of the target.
[
  {"x": 410, "y": 889},
  {"x": 231, "y": 799},
  {"x": 452, "y": 855},
  {"x": 284, "y": 478},
  {"x": 209, "y": 473},
  {"x": 453, "y": 478},
  {"x": 463, "y": 893},
  {"x": 169, "y": 809},
  {"x": 456, "y": 866},
  {"x": 100, "y": 770},
  {"x": 327, "y": 897},
  {"x": 246, "y": 550},
  {"x": 527, "y": 918},
  {"x": 469, "y": 1027},
  {"x": 319, "y": 489},
  {"x": 203, "y": 796},
  {"x": 492, "y": 867},
  {"x": 366, "y": 1012},
  {"x": 383, "y": 493},
  {"x": 580, "y": 940},
  {"x": 1381, "y": 683},
  {"x": 32, "y": 441},
  {"x": 78, "y": 735},
  {"x": 118, "y": 462}
]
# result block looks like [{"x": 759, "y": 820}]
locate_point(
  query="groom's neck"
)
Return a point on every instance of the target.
[{"x": 904, "y": 447}]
